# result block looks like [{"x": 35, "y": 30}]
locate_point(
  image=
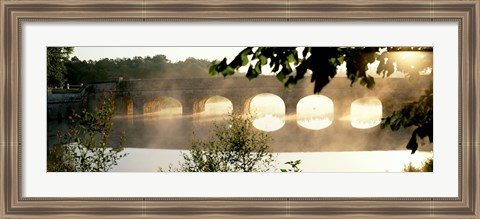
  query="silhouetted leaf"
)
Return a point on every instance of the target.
[
  {"x": 390, "y": 68},
  {"x": 369, "y": 82},
  {"x": 301, "y": 71},
  {"x": 220, "y": 67},
  {"x": 236, "y": 62},
  {"x": 305, "y": 52},
  {"x": 412, "y": 143},
  {"x": 276, "y": 66},
  {"x": 244, "y": 55}
]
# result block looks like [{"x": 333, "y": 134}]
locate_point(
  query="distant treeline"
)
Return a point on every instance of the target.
[{"x": 81, "y": 71}]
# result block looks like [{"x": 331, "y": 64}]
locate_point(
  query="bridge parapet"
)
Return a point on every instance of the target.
[{"x": 192, "y": 93}]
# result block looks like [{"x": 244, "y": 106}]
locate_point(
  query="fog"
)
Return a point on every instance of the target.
[{"x": 313, "y": 127}]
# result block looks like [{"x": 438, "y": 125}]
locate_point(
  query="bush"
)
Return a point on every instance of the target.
[
  {"x": 427, "y": 166},
  {"x": 84, "y": 147},
  {"x": 233, "y": 145},
  {"x": 293, "y": 166}
]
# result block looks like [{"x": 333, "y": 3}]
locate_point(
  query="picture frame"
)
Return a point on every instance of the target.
[{"x": 14, "y": 13}]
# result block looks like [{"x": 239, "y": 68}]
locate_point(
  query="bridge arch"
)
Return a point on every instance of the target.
[
  {"x": 268, "y": 112},
  {"x": 163, "y": 105},
  {"x": 366, "y": 112},
  {"x": 125, "y": 105},
  {"x": 213, "y": 105}
]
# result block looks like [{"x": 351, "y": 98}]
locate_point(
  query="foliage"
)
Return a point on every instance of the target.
[
  {"x": 427, "y": 166},
  {"x": 85, "y": 146},
  {"x": 291, "y": 64},
  {"x": 56, "y": 69},
  {"x": 293, "y": 166},
  {"x": 418, "y": 113},
  {"x": 234, "y": 145},
  {"x": 158, "y": 66}
]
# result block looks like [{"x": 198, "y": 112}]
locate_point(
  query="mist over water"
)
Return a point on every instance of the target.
[{"x": 315, "y": 126}]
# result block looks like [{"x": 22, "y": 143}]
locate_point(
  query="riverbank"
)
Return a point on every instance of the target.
[{"x": 149, "y": 160}]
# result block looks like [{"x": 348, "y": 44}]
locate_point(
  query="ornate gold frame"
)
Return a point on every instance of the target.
[{"x": 14, "y": 12}]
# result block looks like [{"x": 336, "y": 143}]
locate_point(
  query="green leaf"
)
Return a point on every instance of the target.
[
  {"x": 251, "y": 73},
  {"x": 280, "y": 76},
  {"x": 332, "y": 61},
  {"x": 263, "y": 60},
  {"x": 258, "y": 68},
  {"x": 291, "y": 58},
  {"x": 228, "y": 71}
]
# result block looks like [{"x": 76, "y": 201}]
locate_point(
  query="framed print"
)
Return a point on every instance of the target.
[{"x": 343, "y": 135}]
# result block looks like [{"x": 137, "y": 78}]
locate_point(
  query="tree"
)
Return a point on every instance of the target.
[
  {"x": 234, "y": 145},
  {"x": 158, "y": 66},
  {"x": 56, "y": 69},
  {"x": 85, "y": 146},
  {"x": 419, "y": 114},
  {"x": 291, "y": 64}
]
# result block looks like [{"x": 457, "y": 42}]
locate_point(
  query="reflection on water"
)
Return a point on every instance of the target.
[
  {"x": 149, "y": 160},
  {"x": 268, "y": 123},
  {"x": 168, "y": 129}
]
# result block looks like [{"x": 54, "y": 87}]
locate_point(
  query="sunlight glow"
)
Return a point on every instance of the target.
[
  {"x": 315, "y": 112},
  {"x": 268, "y": 112},
  {"x": 218, "y": 105},
  {"x": 366, "y": 112}
]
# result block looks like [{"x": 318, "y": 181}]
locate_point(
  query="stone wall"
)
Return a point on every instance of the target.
[{"x": 61, "y": 102}]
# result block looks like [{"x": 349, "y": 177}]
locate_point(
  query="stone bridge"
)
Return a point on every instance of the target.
[
  {"x": 135, "y": 98},
  {"x": 132, "y": 95}
]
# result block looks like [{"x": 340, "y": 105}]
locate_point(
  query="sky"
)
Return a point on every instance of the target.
[{"x": 174, "y": 54}]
